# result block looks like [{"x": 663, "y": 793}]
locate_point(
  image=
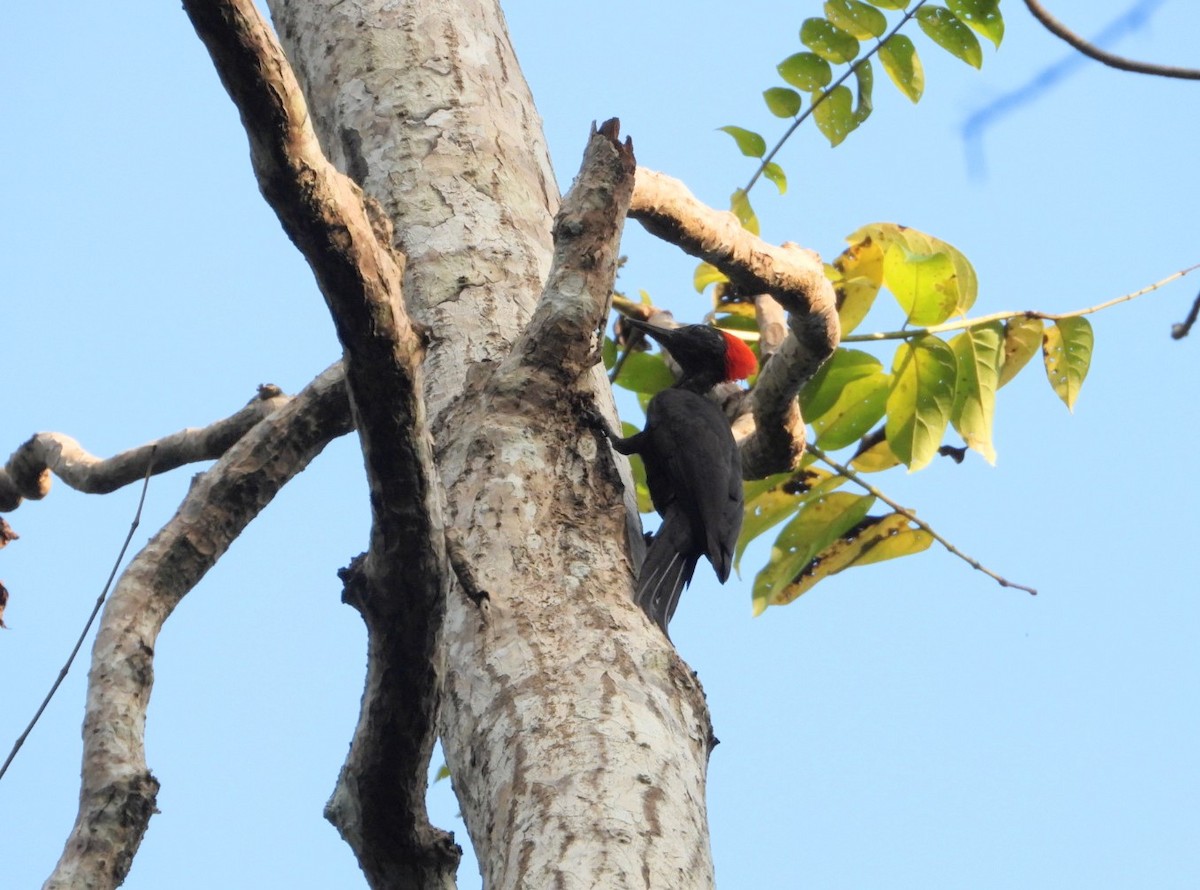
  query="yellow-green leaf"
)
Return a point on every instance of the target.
[
  {"x": 890, "y": 4},
  {"x": 876, "y": 459},
  {"x": 750, "y": 143},
  {"x": 1022, "y": 340},
  {"x": 864, "y": 78},
  {"x": 978, "y": 354},
  {"x": 1067, "y": 349},
  {"x": 982, "y": 15},
  {"x": 818, "y": 524},
  {"x": 855, "y": 18},
  {"x": 705, "y": 275},
  {"x": 834, "y": 114},
  {"x": 922, "y": 395},
  {"x": 919, "y": 244},
  {"x": 948, "y": 32},
  {"x": 739, "y": 203},
  {"x": 644, "y": 373},
  {"x": 775, "y": 173},
  {"x": 875, "y": 539},
  {"x": 925, "y": 285},
  {"x": 828, "y": 41},
  {"x": 783, "y": 102},
  {"x": 900, "y": 60},
  {"x": 859, "y": 275},
  {"x": 442, "y": 773},
  {"x": 806, "y": 71},
  {"x": 608, "y": 352}
]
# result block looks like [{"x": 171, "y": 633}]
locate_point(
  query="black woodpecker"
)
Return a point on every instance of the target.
[{"x": 693, "y": 467}]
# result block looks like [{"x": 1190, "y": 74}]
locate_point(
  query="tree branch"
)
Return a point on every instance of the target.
[
  {"x": 28, "y": 471},
  {"x": 118, "y": 792},
  {"x": 1058, "y": 29},
  {"x": 773, "y": 441},
  {"x": 400, "y": 586}
]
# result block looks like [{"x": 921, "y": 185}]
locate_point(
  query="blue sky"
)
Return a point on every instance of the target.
[{"x": 905, "y": 725}]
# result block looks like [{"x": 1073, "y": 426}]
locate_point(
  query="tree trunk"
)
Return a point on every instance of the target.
[{"x": 576, "y": 738}]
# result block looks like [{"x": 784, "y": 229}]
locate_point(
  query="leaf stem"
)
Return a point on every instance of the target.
[
  {"x": 968, "y": 323},
  {"x": 912, "y": 517},
  {"x": 828, "y": 92}
]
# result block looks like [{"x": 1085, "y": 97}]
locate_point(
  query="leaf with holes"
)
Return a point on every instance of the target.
[
  {"x": 1067, "y": 350},
  {"x": 982, "y": 15},
  {"x": 978, "y": 354},
  {"x": 921, "y": 398},
  {"x": 875, "y": 539},
  {"x": 782, "y": 102},
  {"x": 772, "y": 500},
  {"x": 828, "y": 41},
  {"x": 819, "y": 523},
  {"x": 750, "y": 143},
  {"x": 855, "y": 18},
  {"x": 1022, "y": 340},
  {"x": 806, "y": 71},
  {"x": 948, "y": 32},
  {"x": 902, "y": 64}
]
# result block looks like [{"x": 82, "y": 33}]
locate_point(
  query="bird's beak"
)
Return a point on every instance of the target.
[{"x": 661, "y": 334}]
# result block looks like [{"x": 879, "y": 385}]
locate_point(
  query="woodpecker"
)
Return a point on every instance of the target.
[{"x": 693, "y": 467}]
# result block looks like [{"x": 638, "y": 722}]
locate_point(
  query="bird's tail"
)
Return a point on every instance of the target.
[{"x": 667, "y": 569}]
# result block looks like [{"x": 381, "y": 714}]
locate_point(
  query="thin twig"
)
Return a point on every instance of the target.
[
  {"x": 968, "y": 323},
  {"x": 912, "y": 517},
  {"x": 827, "y": 93},
  {"x": 1058, "y": 29},
  {"x": 62, "y": 674},
  {"x": 1181, "y": 330}
]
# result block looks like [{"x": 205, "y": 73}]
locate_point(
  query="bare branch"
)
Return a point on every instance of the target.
[
  {"x": 400, "y": 586},
  {"x": 27, "y": 473},
  {"x": 118, "y": 792},
  {"x": 1178, "y": 331},
  {"x": 1058, "y": 29},
  {"x": 795, "y": 277}
]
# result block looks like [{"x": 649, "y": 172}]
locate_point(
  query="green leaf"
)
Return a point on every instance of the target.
[
  {"x": 819, "y": 523},
  {"x": 945, "y": 29},
  {"x": 845, "y": 398},
  {"x": 891, "y": 4},
  {"x": 864, "y": 76},
  {"x": 834, "y": 116},
  {"x": 919, "y": 405},
  {"x": 982, "y": 15},
  {"x": 806, "y": 71},
  {"x": 874, "y": 539},
  {"x": 859, "y": 271},
  {"x": 783, "y": 102},
  {"x": 770, "y": 501},
  {"x": 644, "y": 373},
  {"x": 1022, "y": 339},
  {"x": 442, "y": 773},
  {"x": 640, "y": 488},
  {"x": 855, "y": 18},
  {"x": 900, "y": 60},
  {"x": 925, "y": 285},
  {"x": 608, "y": 352},
  {"x": 751, "y": 144},
  {"x": 978, "y": 354},
  {"x": 1067, "y": 349},
  {"x": 828, "y": 41},
  {"x": 739, "y": 203},
  {"x": 775, "y": 173},
  {"x": 705, "y": 275}
]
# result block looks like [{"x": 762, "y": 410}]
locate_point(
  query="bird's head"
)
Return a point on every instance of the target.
[{"x": 705, "y": 355}]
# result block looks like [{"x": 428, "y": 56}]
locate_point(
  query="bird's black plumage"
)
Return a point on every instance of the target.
[{"x": 693, "y": 467}]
